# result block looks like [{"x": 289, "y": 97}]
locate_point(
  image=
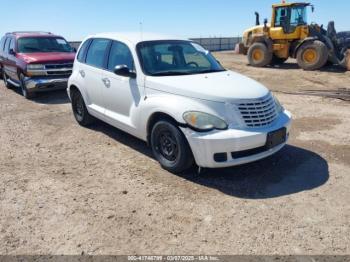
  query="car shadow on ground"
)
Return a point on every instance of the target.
[
  {"x": 290, "y": 171},
  {"x": 49, "y": 98},
  {"x": 52, "y": 97},
  {"x": 327, "y": 68}
]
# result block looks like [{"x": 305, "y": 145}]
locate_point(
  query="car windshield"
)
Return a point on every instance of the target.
[
  {"x": 43, "y": 45},
  {"x": 165, "y": 58}
]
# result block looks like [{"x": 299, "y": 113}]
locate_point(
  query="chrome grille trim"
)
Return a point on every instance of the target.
[{"x": 258, "y": 112}]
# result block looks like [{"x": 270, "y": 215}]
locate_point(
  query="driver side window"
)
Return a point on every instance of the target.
[{"x": 281, "y": 16}]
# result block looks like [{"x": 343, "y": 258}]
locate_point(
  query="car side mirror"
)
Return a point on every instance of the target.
[
  {"x": 74, "y": 49},
  {"x": 123, "y": 70},
  {"x": 12, "y": 52}
]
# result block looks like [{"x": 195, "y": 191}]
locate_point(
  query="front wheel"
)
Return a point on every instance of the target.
[
  {"x": 24, "y": 90},
  {"x": 170, "y": 147},
  {"x": 312, "y": 55},
  {"x": 5, "y": 78}
]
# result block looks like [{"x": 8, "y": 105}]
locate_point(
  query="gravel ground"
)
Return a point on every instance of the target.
[{"x": 65, "y": 189}]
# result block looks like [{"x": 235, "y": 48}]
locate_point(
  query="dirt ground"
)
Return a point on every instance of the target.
[{"x": 65, "y": 189}]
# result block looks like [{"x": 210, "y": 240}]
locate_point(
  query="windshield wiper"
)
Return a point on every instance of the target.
[
  {"x": 210, "y": 71},
  {"x": 169, "y": 73}
]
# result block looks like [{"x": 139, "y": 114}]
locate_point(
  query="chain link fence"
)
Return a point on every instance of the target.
[{"x": 211, "y": 44}]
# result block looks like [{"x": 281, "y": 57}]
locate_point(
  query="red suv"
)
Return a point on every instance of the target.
[{"x": 35, "y": 61}]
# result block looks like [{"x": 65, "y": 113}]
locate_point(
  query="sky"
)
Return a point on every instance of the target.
[{"x": 75, "y": 19}]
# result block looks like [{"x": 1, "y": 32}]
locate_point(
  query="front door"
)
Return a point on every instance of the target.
[{"x": 120, "y": 93}]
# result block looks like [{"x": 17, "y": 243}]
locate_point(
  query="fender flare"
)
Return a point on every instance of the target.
[{"x": 265, "y": 40}]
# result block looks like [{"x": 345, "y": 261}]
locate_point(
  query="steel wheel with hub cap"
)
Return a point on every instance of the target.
[
  {"x": 170, "y": 147},
  {"x": 80, "y": 111},
  {"x": 312, "y": 55},
  {"x": 259, "y": 55}
]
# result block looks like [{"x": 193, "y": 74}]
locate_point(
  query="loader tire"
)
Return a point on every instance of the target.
[
  {"x": 312, "y": 55},
  {"x": 259, "y": 55}
]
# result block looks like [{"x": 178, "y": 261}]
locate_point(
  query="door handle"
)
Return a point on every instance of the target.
[
  {"x": 82, "y": 73},
  {"x": 107, "y": 82}
]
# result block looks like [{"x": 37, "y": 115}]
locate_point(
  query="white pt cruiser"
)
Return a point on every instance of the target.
[{"x": 175, "y": 95}]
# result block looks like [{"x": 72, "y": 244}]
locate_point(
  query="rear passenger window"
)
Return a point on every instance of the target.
[
  {"x": 2, "y": 43},
  {"x": 4, "y": 48},
  {"x": 96, "y": 53},
  {"x": 120, "y": 55},
  {"x": 7, "y": 45},
  {"x": 82, "y": 51}
]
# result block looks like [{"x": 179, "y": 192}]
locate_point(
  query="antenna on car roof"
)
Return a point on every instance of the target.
[{"x": 141, "y": 31}]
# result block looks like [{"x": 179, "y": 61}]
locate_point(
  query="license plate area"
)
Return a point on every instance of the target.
[{"x": 276, "y": 138}]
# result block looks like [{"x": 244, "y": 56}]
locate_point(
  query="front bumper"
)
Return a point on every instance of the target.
[
  {"x": 45, "y": 84},
  {"x": 205, "y": 145}
]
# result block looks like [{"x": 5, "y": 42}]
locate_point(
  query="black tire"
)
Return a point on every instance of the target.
[
  {"x": 4, "y": 77},
  {"x": 278, "y": 60},
  {"x": 259, "y": 55},
  {"x": 170, "y": 147},
  {"x": 24, "y": 90},
  {"x": 80, "y": 111},
  {"x": 312, "y": 55}
]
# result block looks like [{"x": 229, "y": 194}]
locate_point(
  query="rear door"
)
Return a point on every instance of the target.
[{"x": 91, "y": 73}]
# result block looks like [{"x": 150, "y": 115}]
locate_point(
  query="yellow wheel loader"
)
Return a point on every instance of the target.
[{"x": 289, "y": 35}]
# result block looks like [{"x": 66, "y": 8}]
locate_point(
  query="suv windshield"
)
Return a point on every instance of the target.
[
  {"x": 165, "y": 58},
  {"x": 43, "y": 44}
]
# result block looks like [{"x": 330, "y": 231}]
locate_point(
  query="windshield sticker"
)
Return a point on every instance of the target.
[
  {"x": 199, "y": 48},
  {"x": 61, "y": 41}
]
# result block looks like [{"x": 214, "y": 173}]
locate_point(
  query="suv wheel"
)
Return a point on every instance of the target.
[
  {"x": 4, "y": 77},
  {"x": 80, "y": 111},
  {"x": 24, "y": 90},
  {"x": 170, "y": 147}
]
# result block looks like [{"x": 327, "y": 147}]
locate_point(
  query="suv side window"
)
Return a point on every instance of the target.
[
  {"x": 82, "y": 51},
  {"x": 12, "y": 44},
  {"x": 120, "y": 55},
  {"x": 8, "y": 43},
  {"x": 2, "y": 43},
  {"x": 97, "y": 52},
  {"x": 4, "y": 48}
]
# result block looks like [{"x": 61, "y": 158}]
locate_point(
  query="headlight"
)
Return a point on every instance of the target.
[
  {"x": 279, "y": 107},
  {"x": 35, "y": 67},
  {"x": 203, "y": 121},
  {"x": 36, "y": 70}
]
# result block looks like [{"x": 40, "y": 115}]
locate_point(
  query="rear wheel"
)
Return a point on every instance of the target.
[
  {"x": 24, "y": 90},
  {"x": 170, "y": 147},
  {"x": 259, "y": 55},
  {"x": 80, "y": 111},
  {"x": 312, "y": 55}
]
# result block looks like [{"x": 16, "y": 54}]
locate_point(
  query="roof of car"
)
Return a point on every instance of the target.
[
  {"x": 136, "y": 37},
  {"x": 32, "y": 34}
]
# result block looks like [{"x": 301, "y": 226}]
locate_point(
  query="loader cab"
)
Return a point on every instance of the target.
[{"x": 289, "y": 21}]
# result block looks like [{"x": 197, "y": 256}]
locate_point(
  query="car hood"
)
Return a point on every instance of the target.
[
  {"x": 226, "y": 86},
  {"x": 46, "y": 57}
]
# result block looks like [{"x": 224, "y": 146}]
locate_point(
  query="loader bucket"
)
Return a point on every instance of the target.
[{"x": 240, "y": 49}]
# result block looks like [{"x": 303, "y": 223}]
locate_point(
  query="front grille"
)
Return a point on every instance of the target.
[
  {"x": 58, "y": 66},
  {"x": 59, "y": 69},
  {"x": 65, "y": 72},
  {"x": 258, "y": 112}
]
